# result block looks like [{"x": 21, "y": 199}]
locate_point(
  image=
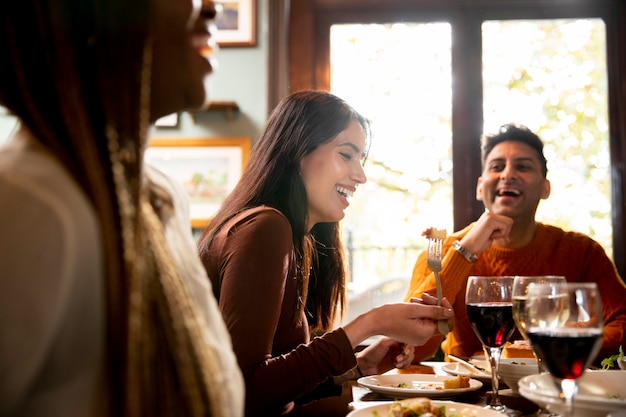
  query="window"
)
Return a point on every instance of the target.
[
  {"x": 403, "y": 84},
  {"x": 551, "y": 75},
  {"x": 465, "y": 78}
]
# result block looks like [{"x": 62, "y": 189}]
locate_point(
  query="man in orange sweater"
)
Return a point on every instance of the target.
[{"x": 506, "y": 240}]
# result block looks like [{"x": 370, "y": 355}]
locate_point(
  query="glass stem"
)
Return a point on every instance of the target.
[
  {"x": 569, "y": 388},
  {"x": 543, "y": 369},
  {"x": 541, "y": 366},
  {"x": 494, "y": 361}
]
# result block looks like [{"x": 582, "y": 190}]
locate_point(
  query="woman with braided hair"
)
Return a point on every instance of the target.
[{"x": 104, "y": 308}]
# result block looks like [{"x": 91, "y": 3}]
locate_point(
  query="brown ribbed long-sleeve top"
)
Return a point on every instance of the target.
[
  {"x": 552, "y": 251},
  {"x": 251, "y": 265}
]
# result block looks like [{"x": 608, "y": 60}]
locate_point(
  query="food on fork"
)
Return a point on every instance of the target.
[
  {"x": 433, "y": 233},
  {"x": 457, "y": 382},
  {"x": 434, "y": 254},
  {"x": 517, "y": 349}
]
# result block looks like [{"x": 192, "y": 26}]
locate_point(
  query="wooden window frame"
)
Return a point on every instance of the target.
[{"x": 309, "y": 67}]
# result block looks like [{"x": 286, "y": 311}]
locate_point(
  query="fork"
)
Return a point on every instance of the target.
[{"x": 433, "y": 260}]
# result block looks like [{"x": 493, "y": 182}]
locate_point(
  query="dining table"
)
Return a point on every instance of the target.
[{"x": 354, "y": 396}]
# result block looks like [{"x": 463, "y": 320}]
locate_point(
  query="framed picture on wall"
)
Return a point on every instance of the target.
[
  {"x": 207, "y": 168},
  {"x": 236, "y": 22}
]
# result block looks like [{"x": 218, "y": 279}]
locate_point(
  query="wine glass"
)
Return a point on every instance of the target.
[
  {"x": 564, "y": 324},
  {"x": 520, "y": 290},
  {"x": 488, "y": 301}
]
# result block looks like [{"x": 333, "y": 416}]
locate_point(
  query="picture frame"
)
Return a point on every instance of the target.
[
  {"x": 236, "y": 23},
  {"x": 207, "y": 168}
]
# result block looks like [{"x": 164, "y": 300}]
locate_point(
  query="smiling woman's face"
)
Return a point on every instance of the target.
[
  {"x": 331, "y": 174},
  {"x": 181, "y": 32}
]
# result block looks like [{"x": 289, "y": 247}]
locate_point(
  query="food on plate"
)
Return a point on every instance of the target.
[
  {"x": 427, "y": 386},
  {"x": 457, "y": 382},
  {"x": 517, "y": 349},
  {"x": 415, "y": 407},
  {"x": 422, "y": 407},
  {"x": 432, "y": 233},
  {"x": 608, "y": 363}
]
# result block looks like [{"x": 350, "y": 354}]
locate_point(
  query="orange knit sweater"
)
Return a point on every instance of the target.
[{"x": 553, "y": 251}]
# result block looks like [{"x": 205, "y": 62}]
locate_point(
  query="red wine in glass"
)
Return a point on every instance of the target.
[
  {"x": 564, "y": 324},
  {"x": 489, "y": 307},
  {"x": 566, "y": 352},
  {"x": 492, "y": 322}
]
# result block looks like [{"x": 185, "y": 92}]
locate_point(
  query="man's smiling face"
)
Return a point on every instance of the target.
[{"x": 512, "y": 181}]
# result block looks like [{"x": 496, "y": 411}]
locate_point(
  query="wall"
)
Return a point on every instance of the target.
[{"x": 241, "y": 77}]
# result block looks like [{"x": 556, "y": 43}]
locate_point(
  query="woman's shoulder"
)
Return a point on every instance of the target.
[
  {"x": 258, "y": 223},
  {"x": 38, "y": 190},
  {"x": 260, "y": 216},
  {"x": 258, "y": 227}
]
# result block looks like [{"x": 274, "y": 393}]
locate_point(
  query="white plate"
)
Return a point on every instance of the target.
[
  {"x": 416, "y": 385},
  {"x": 455, "y": 368},
  {"x": 463, "y": 410},
  {"x": 599, "y": 393}
]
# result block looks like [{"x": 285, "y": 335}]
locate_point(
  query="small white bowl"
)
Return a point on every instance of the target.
[
  {"x": 622, "y": 364},
  {"x": 511, "y": 370}
]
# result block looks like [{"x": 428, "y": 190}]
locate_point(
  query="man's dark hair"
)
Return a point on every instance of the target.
[{"x": 513, "y": 133}]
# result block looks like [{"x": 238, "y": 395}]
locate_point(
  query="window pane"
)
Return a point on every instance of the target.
[
  {"x": 399, "y": 76},
  {"x": 551, "y": 75}
]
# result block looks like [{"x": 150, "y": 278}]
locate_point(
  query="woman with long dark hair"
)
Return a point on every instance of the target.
[
  {"x": 274, "y": 255},
  {"x": 105, "y": 309}
]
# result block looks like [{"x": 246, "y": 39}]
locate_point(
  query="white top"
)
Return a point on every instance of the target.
[
  {"x": 51, "y": 288},
  {"x": 52, "y": 319}
]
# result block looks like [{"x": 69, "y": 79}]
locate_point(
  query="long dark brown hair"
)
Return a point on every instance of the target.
[
  {"x": 299, "y": 124},
  {"x": 77, "y": 75}
]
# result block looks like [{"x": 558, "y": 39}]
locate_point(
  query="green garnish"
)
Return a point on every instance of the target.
[{"x": 609, "y": 362}]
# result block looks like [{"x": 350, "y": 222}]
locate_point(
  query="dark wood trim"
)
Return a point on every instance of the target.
[
  {"x": 467, "y": 117},
  {"x": 322, "y": 51},
  {"x": 616, "y": 39},
  {"x": 277, "y": 54},
  {"x": 301, "y": 46}
]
